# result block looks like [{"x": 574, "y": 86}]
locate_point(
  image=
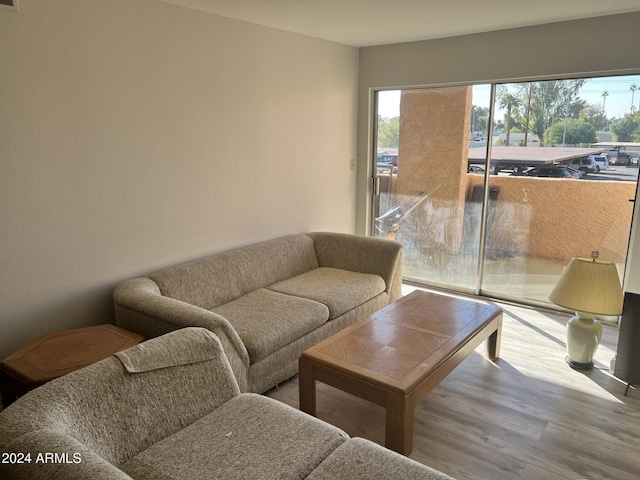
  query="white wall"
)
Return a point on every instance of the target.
[
  {"x": 139, "y": 134},
  {"x": 604, "y": 45}
]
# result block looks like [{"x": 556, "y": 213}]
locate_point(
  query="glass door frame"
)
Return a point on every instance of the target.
[{"x": 478, "y": 288}]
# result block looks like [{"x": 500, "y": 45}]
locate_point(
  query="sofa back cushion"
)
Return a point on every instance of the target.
[
  {"x": 122, "y": 405},
  {"x": 216, "y": 280}
]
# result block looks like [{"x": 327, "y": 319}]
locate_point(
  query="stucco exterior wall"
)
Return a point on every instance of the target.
[
  {"x": 434, "y": 126},
  {"x": 559, "y": 219}
]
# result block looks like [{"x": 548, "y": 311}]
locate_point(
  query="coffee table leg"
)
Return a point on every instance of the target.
[
  {"x": 399, "y": 423},
  {"x": 306, "y": 386},
  {"x": 493, "y": 342}
]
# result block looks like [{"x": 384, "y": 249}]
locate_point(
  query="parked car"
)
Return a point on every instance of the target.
[
  {"x": 388, "y": 161},
  {"x": 618, "y": 157},
  {"x": 623, "y": 159},
  {"x": 601, "y": 160},
  {"x": 475, "y": 169},
  {"x": 551, "y": 171},
  {"x": 586, "y": 165},
  {"x": 386, "y": 158}
]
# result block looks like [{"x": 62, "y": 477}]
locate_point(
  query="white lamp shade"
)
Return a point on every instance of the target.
[{"x": 589, "y": 285}]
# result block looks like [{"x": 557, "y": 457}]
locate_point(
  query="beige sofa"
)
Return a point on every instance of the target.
[
  {"x": 171, "y": 409},
  {"x": 267, "y": 302}
]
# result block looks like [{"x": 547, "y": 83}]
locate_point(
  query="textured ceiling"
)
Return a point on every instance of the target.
[{"x": 375, "y": 22}]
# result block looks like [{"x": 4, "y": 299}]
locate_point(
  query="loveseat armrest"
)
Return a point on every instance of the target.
[
  {"x": 141, "y": 308},
  {"x": 56, "y": 455},
  {"x": 379, "y": 256}
]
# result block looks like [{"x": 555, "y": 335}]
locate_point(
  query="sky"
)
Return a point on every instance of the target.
[{"x": 617, "y": 104}]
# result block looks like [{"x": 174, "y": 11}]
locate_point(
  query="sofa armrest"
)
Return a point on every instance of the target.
[
  {"x": 140, "y": 307},
  {"x": 123, "y": 404},
  {"x": 56, "y": 455},
  {"x": 362, "y": 254}
]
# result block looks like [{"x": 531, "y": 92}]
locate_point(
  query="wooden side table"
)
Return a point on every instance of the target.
[{"x": 56, "y": 354}]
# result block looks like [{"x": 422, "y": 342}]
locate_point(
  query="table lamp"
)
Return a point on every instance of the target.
[{"x": 590, "y": 287}]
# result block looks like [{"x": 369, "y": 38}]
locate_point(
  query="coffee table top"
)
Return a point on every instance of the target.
[
  {"x": 396, "y": 345},
  {"x": 58, "y": 353}
]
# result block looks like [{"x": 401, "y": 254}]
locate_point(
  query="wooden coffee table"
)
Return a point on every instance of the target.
[
  {"x": 55, "y": 354},
  {"x": 396, "y": 356}
]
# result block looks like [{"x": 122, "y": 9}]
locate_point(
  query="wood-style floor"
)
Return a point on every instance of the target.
[{"x": 528, "y": 416}]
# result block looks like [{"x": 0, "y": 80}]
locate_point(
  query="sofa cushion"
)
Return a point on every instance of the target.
[
  {"x": 359, "y": 459},
  {"x": 250, "y": 436},
  {"x": 267, "y": 321},
  {"x": 340, "y": 290},
  {"x": 218, "y": 279}
]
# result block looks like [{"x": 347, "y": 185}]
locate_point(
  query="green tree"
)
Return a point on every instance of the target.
[
  {"x": 388, "y": 132},
  {"x": 633, "y": 87},
  {"x": 570, "y": 132},
  {"x": 627, "y": 129},
  {"x": 605, "y": 94},
  {"x": 593, "y": 115},
  {"x": 551, "y": 102},
  {"x": 479, "y": 117},
  {"x": 526, "y": 91},
  {"x": 510, "y": 102},
  {"x": 575, "y": 108}
]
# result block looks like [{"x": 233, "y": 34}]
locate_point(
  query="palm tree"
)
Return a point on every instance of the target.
[
  {"x": 633, "y": 89},
  {"x": 605, "y": 94},
  {"x": 509, "y": 101}
]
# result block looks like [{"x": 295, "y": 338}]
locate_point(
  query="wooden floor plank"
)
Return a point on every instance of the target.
[{"x": 528, "y": 416}]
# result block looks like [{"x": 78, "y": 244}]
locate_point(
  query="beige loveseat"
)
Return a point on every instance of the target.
[
  {"x": 171, "y": 409},
  {"x": 267, "y": 302}
]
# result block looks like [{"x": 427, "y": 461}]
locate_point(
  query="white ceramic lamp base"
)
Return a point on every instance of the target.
[{"x": 583, "y": 338}]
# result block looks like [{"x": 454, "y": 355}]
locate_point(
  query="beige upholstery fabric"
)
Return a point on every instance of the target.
[
  {"x": 39, "y": 442},
  {"x": 351, "y": 275},
  {"x": 154, "y": 355},
  {"x": 216, "y": 280},
  {"x": 170, "y": 409},
  {"x": 283, "y": 363},
  {"x": 377, "y": 256},
  {"x": 266, "y": 321},
  {"x": 101, "y": 407},
  {"x": 340, "y": 290},
  {"x": 248, "y": 437},
  {"x": 140, "y": 308},
  {"x": 361, "y": 459}
]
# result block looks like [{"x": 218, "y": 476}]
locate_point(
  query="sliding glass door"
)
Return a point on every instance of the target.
[
  {"x": 493, "y": 188},
  {"x": 423, "y": 140}
]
